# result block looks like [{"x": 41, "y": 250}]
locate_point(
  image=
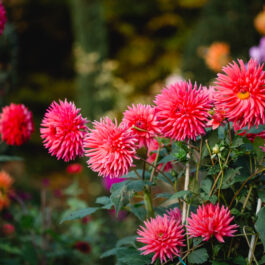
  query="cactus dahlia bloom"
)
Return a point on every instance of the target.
[
  {"x": 63, "y": 130},
  {"x": 110, "y": 148},
  {"x": 240, "y": 92},
  {"x": 175, "y": 214},
  {"x": 5, "y": 184},
  {"x": 211, "y": 220},
  {"x": 183, "y": 111},
  {"x": 143, "y": 123},
  {"x": 3, "y": 18},
  {"x": 16, "y": 124},
  {"x": 162, "y": 236}
]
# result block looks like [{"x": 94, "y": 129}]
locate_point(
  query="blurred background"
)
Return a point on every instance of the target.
[{"x": 107, "y": 54}]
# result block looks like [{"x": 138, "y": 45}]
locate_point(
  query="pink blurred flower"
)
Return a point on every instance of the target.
[
  {"x": 110, "y": 148},
  {"x": 3, "y": 18},
  {"x": 175, "y": 214},
  {"x": 183, "y": 111},
  {"x": 86, "y": 219},
  {"x": 108, "y": 182},
  {"x": 63, "y": 130},
  {"x": 240, "y": 92},
  {"x": 121, "y": 215},
  {"x": 144, "y": 118},
  {"x": 211, "y": 220},
  {"x": 8, "y": 229},
  {"x": 162, "y": 236},
  {"x": 16, "y": 124},
  {"x": 74, "y": 168}
]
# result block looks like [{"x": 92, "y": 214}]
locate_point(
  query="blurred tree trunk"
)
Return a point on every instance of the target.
[{"x": 90, "y": 49}]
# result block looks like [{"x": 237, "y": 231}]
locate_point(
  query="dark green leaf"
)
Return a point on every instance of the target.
[
  {"x": 260, "y": 225},
  {"x": 240, "y": 260},
  {"x": 180, "y": 194},
  {"x": 198, "y": 256},
  {"x": 108, "y": 253},
  {"x": 105, "y": 201},
  {"x": 132, "y": 256},
  {"x": 79, "y": 214},
  {"x": 122, "y": 192},
  {"x": 164, "y": 195},
  {"x": 129, "y": 240},
  {"x": 206, "y": 185},
  {"x": 4, "y": 158},
  {"x": 138, "y": 211},
  {"x": 219, "y": 263},
  {"x": 262, "y": 261},
  {"x": 261, "y": 194},
  {"x": 10, "y": 249}
]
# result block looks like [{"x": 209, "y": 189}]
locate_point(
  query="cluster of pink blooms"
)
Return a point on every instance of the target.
[
  {"x": 164, "y": 235},
  {"x": 182, "y": 111}
]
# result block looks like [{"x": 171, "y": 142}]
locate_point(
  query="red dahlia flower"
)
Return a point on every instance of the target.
[
  {"x": 16, "y": 124},
  {"x": 162, "y": 236},
  {"x": 63, "y": 130},
  {"x": 183, "y": 111},
  {"x": 211, "y": 220},
  {"x": 110, "y": 148},
  {"x": 143, "y": 123},
  {"x": 240, "y": 92}
]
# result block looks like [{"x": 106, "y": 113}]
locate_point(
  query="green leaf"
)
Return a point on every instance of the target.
[
  {"x": 10, "y": 249},
  {"x": 4, "y": 158},
  {"x": 132, "y": 256},
  {"x": 240, "y": 260},
  {"x": 206, "y": 185},
  {"x": 121, "y": 193},
  {"x": 231, "y": 177},
  {"x": 214, "y": 262},
  {"x": 79, "y": 214},
  {"x": 108, "y": 253},
  {"x": 260, "y": 225},
  {"x": 262, "y": 261},
  {"x": 129, "y": 240},
  {"x": 105, "y": 201},
  {"x": 138, "y": 211},
  {"x": 180, "y": 194},
  {"x": 73, "y": 189},
  {"x": 196, "y": 241},
  {"x": 164, "y": 195},
  {"x": 198, "y": 256}
]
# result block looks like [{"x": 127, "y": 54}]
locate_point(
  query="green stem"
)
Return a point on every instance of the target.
[
  {"x": 148, "y": 203},
  {"x": 222, "y": 174},
  {"x": 199, "y": 162}
]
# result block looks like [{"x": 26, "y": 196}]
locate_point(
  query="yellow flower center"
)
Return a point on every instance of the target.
[{"x": 243, "y": 95}]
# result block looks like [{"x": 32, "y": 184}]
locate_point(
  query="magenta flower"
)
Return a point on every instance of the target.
[
  {"x": 3, "y": 18},
  {"x": 16, "y": 124},
  {"x": 183, "y": 111},
  {"x": 162, "y": 236},
  {"x": 211, "y": 220},
  {"x": 110, "y": 148},
  {"x": 63, "y": 130}
]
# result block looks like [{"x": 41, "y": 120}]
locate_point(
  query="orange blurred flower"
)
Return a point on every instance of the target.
[
  {"x": 217, "y": 56},
  {"x": 5, "y": 184},
  {"x": 259, "y": 22}
]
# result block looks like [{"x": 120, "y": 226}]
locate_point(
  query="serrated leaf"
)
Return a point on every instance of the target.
[
  {"x": 198, "y": 256},
  {"x": 122, "y": 192},
  {"x": 129, "y": 240},
  {"x": 108, "y": 253},
  {"x": 180, "y": 194},
  {"x": 206, "y": 185},
  {"x": 105, "y": 202},
  {"x": 79, "y": 214},
  {"x": 260, "y": 225},
  {"x": 132, "y": 256}
]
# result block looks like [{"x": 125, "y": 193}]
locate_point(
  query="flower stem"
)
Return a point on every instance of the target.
[
  {"x": 186, "y": 186},
  {"x": 253, "y": 241},
  {"x": 148, "y": 203}
]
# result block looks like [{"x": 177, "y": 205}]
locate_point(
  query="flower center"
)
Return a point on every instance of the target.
[
  {"x": 243, "y": 95},
  {"x": 140, "y": 124}
]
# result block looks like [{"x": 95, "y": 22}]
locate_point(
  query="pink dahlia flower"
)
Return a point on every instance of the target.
[
  {"x": 240, "y": 92},
  {"x": 162, "y": 236},
  {"x": 3, "y": 18},
  {"x": 16, "y": 124},
  {"x": 211, "y": 220},
  {"x": 175, "y": 214},
  {"x": 143, "y": 123},
  {"x": 110, "y": 148},
  {"x": 74, "y": 168},
  {"x": 63, "y": 130},
  {"x": 183, "y": 111}
]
